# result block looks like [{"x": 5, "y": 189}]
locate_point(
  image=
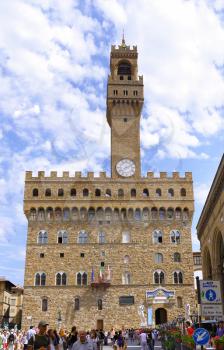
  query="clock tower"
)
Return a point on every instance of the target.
[{"x": 124, "y": 104}]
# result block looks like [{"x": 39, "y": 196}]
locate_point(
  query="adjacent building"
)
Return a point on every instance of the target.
[
  {"x": 210, "y": 230},
  {"x": 110, "y": 251}
]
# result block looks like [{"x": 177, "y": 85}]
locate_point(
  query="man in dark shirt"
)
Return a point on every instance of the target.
[{"x": 40, "y": 340}]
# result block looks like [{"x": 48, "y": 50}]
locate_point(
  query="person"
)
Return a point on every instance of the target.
[
  {"x": 101, "y": 337},
  {"x": 53, "y": 339},
  {"x": 31, "y": 332},
  {"x": 5, "y": 340},
  {"x": 220, "y": 329},
  {"x": 82, "y": 343},
  {"x": 120, "y": 341},
  {"x": 41, "y": 339},
  {"x": 10, "y": 341},
  {"x": 72, "y": 338},
  {"x": 143, "y": 340},
  {"x": 94, "y": 339},
  {"x": 189, "y": 329}
]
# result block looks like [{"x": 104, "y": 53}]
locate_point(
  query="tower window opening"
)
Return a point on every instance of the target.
[
  {"x": 129, "y": 77},
  {"x": 125, "y": 92},
  {"x": 124, "y": 68},
  {"x": 60, "y": 192},
  {"x": 35, "y": 192},
  {"x": 125, "y": 120},
  {"x": 121, "y": 77},
  {"x": 115, "y": 92}
]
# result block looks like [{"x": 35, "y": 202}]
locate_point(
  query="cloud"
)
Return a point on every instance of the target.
[{"x": 201, "y": 192}]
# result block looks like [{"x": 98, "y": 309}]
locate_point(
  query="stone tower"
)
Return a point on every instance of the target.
[{"x": 110, "y": 251}]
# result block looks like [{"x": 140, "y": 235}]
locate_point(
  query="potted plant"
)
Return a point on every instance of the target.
[
  {"x": 188, "y": 341},
  {"x": 219, "y": 342}
]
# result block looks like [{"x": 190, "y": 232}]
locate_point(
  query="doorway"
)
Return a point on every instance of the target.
[
  {"x": 99, "y": 324},
  {"x": 161, "y": 316}
]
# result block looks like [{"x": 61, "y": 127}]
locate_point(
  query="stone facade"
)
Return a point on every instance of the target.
[
  {"x": 210, "y": 230},
  {"x": 102, "y": 233}
]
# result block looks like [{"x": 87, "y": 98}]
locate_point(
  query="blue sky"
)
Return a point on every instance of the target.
[{"x": 54, "y": 62}]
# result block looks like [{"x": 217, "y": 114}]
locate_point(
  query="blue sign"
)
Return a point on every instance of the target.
[
  {"x": 201, "y": 336},
  {"x": 210, "y": 295}
]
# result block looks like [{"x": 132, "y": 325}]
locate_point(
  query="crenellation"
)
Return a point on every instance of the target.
[
  {"x": 41, "y": 174},
  {"x": 163, "y": 175},
  {"x": 65, "y": 175},
  {"x": 176, "y": 175},
  {"x": 78, "y": 174},
  {"x": 53, "y": 175}
]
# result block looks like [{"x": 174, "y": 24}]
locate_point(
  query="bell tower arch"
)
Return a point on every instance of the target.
[{"x": 124, "y": 104}]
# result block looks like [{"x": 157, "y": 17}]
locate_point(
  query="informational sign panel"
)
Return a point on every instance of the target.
[
  {"x": 149, "y": 318},
  {"x": 210, "y": 292},
  {"x": 212, "y": 310},
  {"x": 201, "y": 336}
]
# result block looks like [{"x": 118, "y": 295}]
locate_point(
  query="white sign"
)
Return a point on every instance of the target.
[
  {"x": 212, "y": 310},
  {"x": 210, "y": 292}
]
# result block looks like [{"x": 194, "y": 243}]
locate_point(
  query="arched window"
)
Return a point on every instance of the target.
[
  {"x": 75, "y": 214},
  {"x": 126, "y": 237},
  {"x": 102, "y": 238},
  {"x": 83, "y": 237},
  {"x": 175, "y": 236},
  {"x": 62, "y": 237},
  {"x": 85, "y": 192},
  {"x": 126, "y": 259},
  {"x": 35, "y": 192},
  {"x": 126, "y": 278},
  {"x": 60, "y": 192},
  {"x": 33, "y": 214},
  {"x": 61, "y": 279},
  {"x": 44, "y": 304},
  {"x": 58, "y": 214},
  {"x": 137, "y": 214},
  {"x": 48, "y": 192},
  {"x": 108, "y": 215},
  {"x": 73, "y": 192},
  {"x": 43, "y": 279},
  {"x": 42, "y": 237},
  {"x": 83, "y": 214},
  {"x": 154, "y": 213},
  {"x": 158, "y": 258},
  {"x": 133, "y": 192},
  {"x": 145, "y": 214},
  {"x": 179, "y": 302},
  {"x": 178, "y": 213},
  {"x": 120, "y": 192},
  {"x": 170, "y": 213},
  {"x": 66, "y": 214},
  {"x": 40, "y": 279},
  {"x": 97, "y": 192},
  {"x": 116, "y": 214},
  {"x": 91, "y": 214},
  {"x": 157, "y": 236},
  {"x": 162, "y": 213},
  {"x": 123, "y": 214},
  {"x": 177, "y": 277},
  {"x": 41, "y": 214},
  {"x": 77, "y": 304},
  {"x": 170, "y": 192},
  {"x": 185, "y": 214},
  {"x": 176, "y": 257},
  {"x": 183, "y": 192},
  {"x": 108, "y": 193},
  {"x": 81, "y": 279},
  {"x": 37, "y": 279},
  {"x": 158, "y": 192},
  {"x": 124, "y": 68},
  {"x": 159, "y": 277},
  {"x": 145, "y": 192},
  {"x": 100, "y": 304},
  {"x": 50, "y": 214}
]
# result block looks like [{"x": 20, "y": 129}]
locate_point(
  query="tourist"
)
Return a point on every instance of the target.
[
  {"x": 189, "y": 329},
  {"x": 72, "y": 338},
  {"x": 41, "y": 339},
  {"x": 120, "y": 341},
  {"x": 31, "y": 332},
  {"x": 220, "y": 329},
  {"x": 143, "y": 340},
  {"x": 82, "y": 343}
]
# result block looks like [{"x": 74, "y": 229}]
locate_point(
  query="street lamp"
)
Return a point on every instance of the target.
[
  {"x": 180, "y": 320},
  {"x": 194, "y": 317},
  {"x": 59, "y": 319}
]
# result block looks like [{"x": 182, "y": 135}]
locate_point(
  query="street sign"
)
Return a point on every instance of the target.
[
  {"x": 211, "y": 310},
  {"x": 201, "y": 336},
  {"x": 210, "y": 292}
]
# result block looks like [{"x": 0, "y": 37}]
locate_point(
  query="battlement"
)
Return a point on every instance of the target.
[
  {"x": 103, "y": 176},
  {"x": 115, "y": 48}
]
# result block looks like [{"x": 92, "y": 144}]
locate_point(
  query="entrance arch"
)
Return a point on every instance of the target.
[
  {"x": 207, "y": 265},
  {"x": 160, "y": 316}
]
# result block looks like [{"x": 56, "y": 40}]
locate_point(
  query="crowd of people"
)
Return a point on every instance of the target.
[{"x": 49, "y": 339}]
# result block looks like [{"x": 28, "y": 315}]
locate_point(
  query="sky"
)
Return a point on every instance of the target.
[{"x": 54, "y": 63}]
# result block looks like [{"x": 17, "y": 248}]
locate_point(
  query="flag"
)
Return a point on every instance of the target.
[{"x": 92, "y": 275}]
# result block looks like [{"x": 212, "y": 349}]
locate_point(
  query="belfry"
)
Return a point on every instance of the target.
[{"x": 110, "y": 251}]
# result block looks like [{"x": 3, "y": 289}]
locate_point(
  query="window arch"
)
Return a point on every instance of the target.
[
  {"x": 85, "y": 192},
  {"x": 183, "y": 192},
  {"x": 41, "y": 214},
  {"x": 175, "y": 236},
  {"x": 91, "y": 214},
  {"x": 83, "y": 214},
  {"x": 108, "y": 215},
  {"x": 178, "y": 213},
  {"x": 170, "y": 213},
  {"x": 154, "y": 213},
  {"x": 58, "y": 214},
  {"x": 137, "y": 214},
  {"x": 177, "y": 277},
  {"x": 48, "y": 192},
  {"x": 73, "y": 192},
  {"x": 97, "y": 192},
  {"x": 159, "y": 277},
  {"x": 66, "y": 214},
  {"x": 185, "y": 214},
  {"x": 102, "y": 238},
  {"x": 49, "y": 214},
  {"x": 162, "y": 213},
  {"x": 133, "y": 192},
  {"x": 126, "y": 259},
  {"x": 176, "y": 257},
  {"x": 120, "y": 192},
  {"x": 40, "y": 279},
  {"x": 158, "y": 258},
  {"x": 145, "y": 192},
  {"x": 42, "y": 237},
  {"x": 33, "y": 214},
  {"x": 60, "y": 192},
  {"x": 108, "y": 192},
  {"x": 35, "y": 192},
  {"x": 83, "y": 237},
  {"x": 81, "y": 279},
  {"x": 124, "y": 68},
  {"x": 77, "y": 304},
  {"x": 61, "y": 279},
  {"x": 158, "y": 192},
  {"x": 145, "y": 214},
  {"x": 44, "y": 304},
  {"x": 170, "y": 192},
  {"x": 75, "y": 214},
  {"x": 126, "y": 278},
  {"x": 99, "y": 304},
  {"x": 62, "y": 237},
  {"x": 179, "y": 302},
  {"x": 157, "y": 236},
  {"x": 126, "y": 237}
]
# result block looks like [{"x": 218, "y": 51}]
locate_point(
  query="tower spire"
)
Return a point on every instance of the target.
[{"x": 123, "y": 40}]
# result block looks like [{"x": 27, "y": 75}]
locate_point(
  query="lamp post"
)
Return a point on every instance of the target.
[
  {"x": 180, "y": 320},
  {"x": 59, "y": 319}
]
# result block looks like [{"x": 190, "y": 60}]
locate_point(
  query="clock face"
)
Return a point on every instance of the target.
[{"x": 125, "y": 167}]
